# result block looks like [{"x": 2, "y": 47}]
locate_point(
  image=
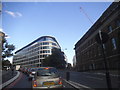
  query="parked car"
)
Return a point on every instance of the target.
[
  {"x": 26, "y": 70},
  {"x": 22, "y": 69},
  {"x": 32, "y": 72},
  {"x": 46, "y": 77}
]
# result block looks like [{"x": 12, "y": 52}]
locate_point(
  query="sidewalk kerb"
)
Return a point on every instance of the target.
[
  {"x": 72, "y": 84},
  {"x": 10, "y": 81}
]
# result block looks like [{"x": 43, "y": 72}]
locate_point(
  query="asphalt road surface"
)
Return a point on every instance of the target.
[{"x": 24, "y": 83}]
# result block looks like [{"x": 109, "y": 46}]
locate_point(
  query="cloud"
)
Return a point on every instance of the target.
[
  {"x": 14, "y": 14},
  {"x": 1, "y": 29}
]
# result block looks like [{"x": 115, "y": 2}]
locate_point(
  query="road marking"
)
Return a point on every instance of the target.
[
  {"x": 94, "y": 78},
  {"x": 80, "y": 85},
  {"x": 77, "y": 85},
  {"x": 71, "y": 84}
]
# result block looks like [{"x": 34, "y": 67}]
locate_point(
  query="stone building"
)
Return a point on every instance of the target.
[{"x": 88, "y": 51}]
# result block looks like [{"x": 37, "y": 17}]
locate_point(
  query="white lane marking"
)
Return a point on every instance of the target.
[
  {"x": 80, "y": 85},
  {"x": 94, "y": 78}
]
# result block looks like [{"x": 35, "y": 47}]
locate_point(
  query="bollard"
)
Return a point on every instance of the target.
[{"x": 67, "y": 76}]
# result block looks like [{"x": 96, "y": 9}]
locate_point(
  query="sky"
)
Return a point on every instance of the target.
[{"x": 24, "y": 22}]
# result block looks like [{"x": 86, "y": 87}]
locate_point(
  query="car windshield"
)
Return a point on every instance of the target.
[
  {"x": 47, "y": 72},
  {"x": 33, "y": 69}
]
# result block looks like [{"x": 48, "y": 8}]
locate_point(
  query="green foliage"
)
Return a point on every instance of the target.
[
  {"x": 7, "y": 49},
  {"x": 55, "y": 60},
  {"x": 7, "y": 52},
  {"x": 6, "y": 63}
]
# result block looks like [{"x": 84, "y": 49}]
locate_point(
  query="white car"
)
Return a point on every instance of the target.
[{"x": 32, "y": 73}]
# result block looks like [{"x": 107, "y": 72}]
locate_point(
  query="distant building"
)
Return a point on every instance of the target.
[
  {"x": 88, "y": 51},
  {"x": 34, "y": 53},
  {"x": 65, "y": 58},
  {"x": 74, "y": 61}
]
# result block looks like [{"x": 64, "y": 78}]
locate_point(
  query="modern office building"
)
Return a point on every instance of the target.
[
  {"x": 34, "y": 53},
  {"x": 89, "y": 55}
]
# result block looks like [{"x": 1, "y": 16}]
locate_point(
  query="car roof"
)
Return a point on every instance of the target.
[{"x": 46, "y": 67}]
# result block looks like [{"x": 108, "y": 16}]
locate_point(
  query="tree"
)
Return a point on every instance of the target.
[
  {"x": 55, "y": 60},
  {"x": 7, "y": 52},
  {"x": 69, "y": 66},
  {"x": 7, "y": 49},
  {"x": 6, "y": 63}
]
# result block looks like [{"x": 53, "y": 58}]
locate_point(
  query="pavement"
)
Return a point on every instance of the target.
[
  {"x": 8, "y": 77},
  {"x": 114, "y": 73}
]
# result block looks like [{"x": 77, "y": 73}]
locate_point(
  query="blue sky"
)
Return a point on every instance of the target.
[{"x": 26, "y": 21}]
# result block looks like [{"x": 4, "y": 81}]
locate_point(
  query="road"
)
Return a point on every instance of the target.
[
  {"x": 23, "y": 83},
  {"x": 82, "y": 79}
]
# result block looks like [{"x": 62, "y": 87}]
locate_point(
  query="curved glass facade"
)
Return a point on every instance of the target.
[{"x": 33, "y": 54}]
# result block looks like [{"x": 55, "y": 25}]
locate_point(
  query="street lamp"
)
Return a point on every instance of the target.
[{"x": 102, "y": 38}]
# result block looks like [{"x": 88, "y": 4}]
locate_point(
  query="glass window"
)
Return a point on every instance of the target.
[
  {"x": 41, "y": 48},
  {"x": 99, "y": 50},
  {"x": 104, "y": 46},
  {"x": 47, "y": 72},
  {"x": 54, "y": 44},
  {"x": 118, "y": 23},
  {"x": 110, "y": 28},
  {"x": 42, "y": 39},
  {"x": 41, "y": 52},
  {"x": 49, "y": 39},
  {"x": 46, "y": 47},
  {"x": 45, "y": 43},
  {"x": 40, "y": 43},
  {"x": 46, "y": 51},
  {"x": 114, "y": 43},
  {"x": 40, "y": 56}
]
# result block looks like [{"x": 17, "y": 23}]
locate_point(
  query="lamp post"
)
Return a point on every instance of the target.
[{"x": 102, "y": 38}]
